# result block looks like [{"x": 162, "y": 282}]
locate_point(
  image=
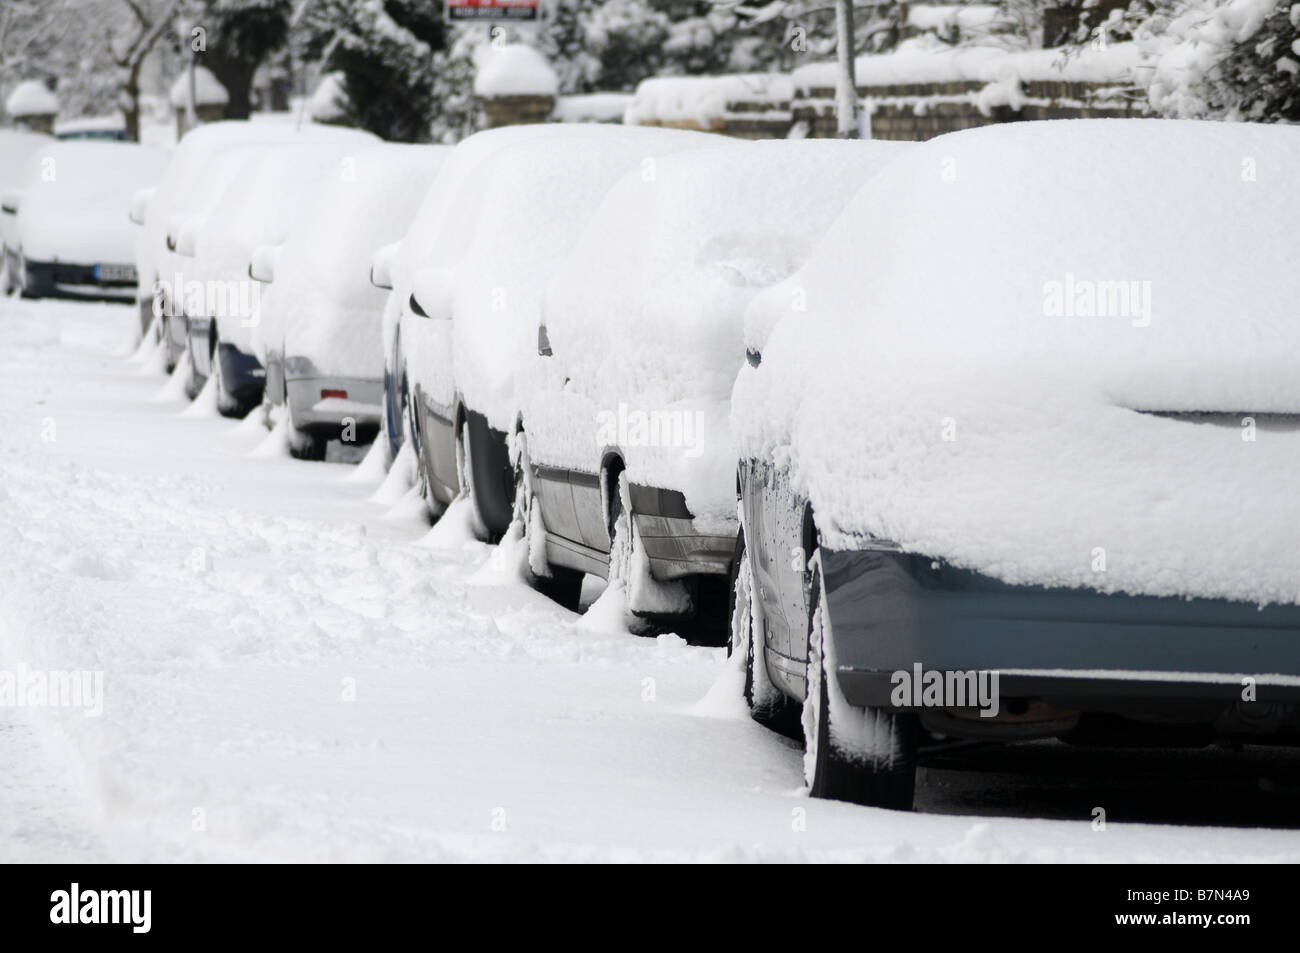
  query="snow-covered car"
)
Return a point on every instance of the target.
[
  {"x": 97, "y": 128},
  {"x": 193, "y": 180},
  {"x": 1024, "y": 466},
  {"x": 318, "y": 331},
  {"x": 196, "y": 176},
  {"x": 16, "y": 146},
  {"x": 476, "y": 318},
  {"x": 627, "y": 467},
  {"x": 70, "y": 234},
  {"x": 270, "y": 189},
  {"x": 441, "y": 230}
]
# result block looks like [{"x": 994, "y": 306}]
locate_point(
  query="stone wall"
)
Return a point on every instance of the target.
[
  {"x": 515, "y": 110},
  {"x": 919, "y": 111}
]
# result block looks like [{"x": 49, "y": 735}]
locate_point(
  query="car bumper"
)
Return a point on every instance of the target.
[
  {"x": 363, "y": 407},
  {"x": 672, "y": 544},
  {"x": 891, "y": 612},
  {"x": 69, "y": 280}
]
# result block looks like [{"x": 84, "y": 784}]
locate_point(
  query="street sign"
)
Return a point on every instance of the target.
[{"x": 493, "y": 11}]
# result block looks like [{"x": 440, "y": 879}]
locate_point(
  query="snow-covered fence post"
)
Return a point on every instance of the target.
[
  {"x": 199, "y": 91},
  {"x": 846, "y": 85},
  {"x": 515, "y": 85},
  {"x": 32, "y": 106}
]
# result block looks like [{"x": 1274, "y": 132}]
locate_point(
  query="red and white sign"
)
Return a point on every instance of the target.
[{"x": 492, "y": 11}]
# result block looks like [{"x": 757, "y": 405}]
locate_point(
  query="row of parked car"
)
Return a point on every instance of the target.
[{"x": 941, "y": 439}]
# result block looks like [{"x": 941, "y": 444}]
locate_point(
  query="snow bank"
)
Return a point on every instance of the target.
[
  {"x": 31, "y": 98},
  {"x": 514, "y": 70},
  {"x": 321, "y": 304},
  {"x": 208, "y": 90},
  {"x": 703, "y": 99},
  {"x": 987, "y": 327},
  {"x": 644, "y": 316},
  {"x": 75, "y": 200}
]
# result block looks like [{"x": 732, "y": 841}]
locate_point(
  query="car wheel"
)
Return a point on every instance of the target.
[
  {"x": 193, "y": 388},
  {"x": 26, "y": 286},
  {"x": 227, "y": 405},
  {"x": 303, "y": 445},
  {"x": 560, "y": 583},
  {"x": 464, "y": 475},
  {"x": 169, "y": 363},
  {"x": 863, "y": 755},
  {"x": 767, "y": 704}
]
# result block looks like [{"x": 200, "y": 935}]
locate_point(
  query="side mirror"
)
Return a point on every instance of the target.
[
  {"x": 139, "y": 207},
  {"x": 760, "y": 321},
  {"x": 261, "y": 267},
  {"x": 431, "y": 294},
  {"x": 543, "y": 342},
  {"x": 10, "y": 201},
  {"x": 381, "y": 267}
]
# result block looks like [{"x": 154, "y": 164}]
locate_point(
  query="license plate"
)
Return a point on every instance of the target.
[{"x": 115, "y": 273}]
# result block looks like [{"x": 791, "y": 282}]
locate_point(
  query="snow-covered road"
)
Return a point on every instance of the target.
[{"x": 294, "y": 672}]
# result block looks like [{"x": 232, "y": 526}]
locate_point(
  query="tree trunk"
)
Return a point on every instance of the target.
[
  {"x": 237, "y": 76},
  {"x": 131, "y": 110},
  {"x": 846, "y": 85}
]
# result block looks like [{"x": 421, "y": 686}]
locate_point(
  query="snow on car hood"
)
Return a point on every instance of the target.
[
  {"x": 991, "y": 325},
  {"x": 645, "y": 315}
]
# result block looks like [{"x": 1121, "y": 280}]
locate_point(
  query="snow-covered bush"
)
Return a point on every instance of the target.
[{"x": 1213, "y": 59}]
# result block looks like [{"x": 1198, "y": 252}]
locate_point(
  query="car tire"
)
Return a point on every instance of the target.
[
  {"x": 193, "y": 387},
  {"x": 227, "y": 405},
  {"x": 465, "y": 477},
  {"x": 559, "y": 583},
  {"x": 863, "y": 755},
  {"x": 303, "y": 445},
  {"x": 767, "y": 704}
]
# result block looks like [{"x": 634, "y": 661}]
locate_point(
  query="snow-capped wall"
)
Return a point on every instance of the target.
[{"x": 31, "y": 98}]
